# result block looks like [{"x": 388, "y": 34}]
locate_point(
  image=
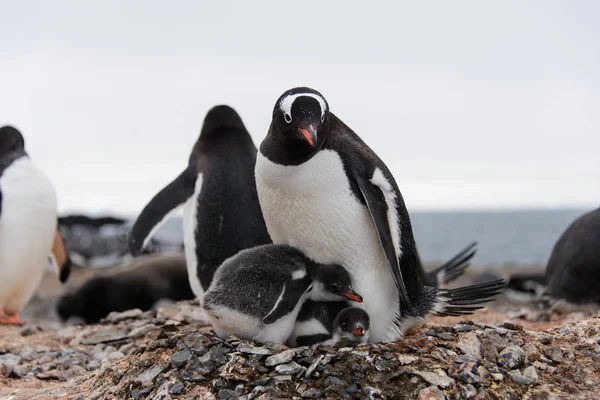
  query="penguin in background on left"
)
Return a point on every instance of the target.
[{"x": 28, "y": 227}]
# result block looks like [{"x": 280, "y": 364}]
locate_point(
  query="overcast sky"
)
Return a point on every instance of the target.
[{"x": 471, "y": 104}]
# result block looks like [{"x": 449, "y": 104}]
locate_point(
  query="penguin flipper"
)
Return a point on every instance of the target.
[
  {"x": 374, "y": 196},
  {"x": 288, "y": 299},
  {"x": 59, "y": 258},
  {"x": 156, "y": 211},
  {"x": 453, "y": 268}
]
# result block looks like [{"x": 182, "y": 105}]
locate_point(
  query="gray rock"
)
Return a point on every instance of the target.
[
  {"x": 291, "y": 368},
  {"x": 249, "y": 349},
  {"x": 531, "y": 373},
  {"x": 27, "y": 353},
  {"x": 311, "y": 393},
  {"x": 445, "y": 336},
  {"x": 137, "y": 394},
  {"x": 215, "y": 355},
  {"x": 335, "y": 381},
  {"x": 8, "y": 362},
  {"x": 141, "y": 331},
  {"x": 226, "y": 394},
  {"x": 313, "y": 366},
  {"x": 431, "y": 393},
  {"x": 115, "y": 316},
  {"x": 468, "y": 377},
  {"x": 470, "y": 344},
  {"x": 147, "y": 377},
  {"x": 181, "y": 358},
  {"x": 554, "y": 353},
  {"x": 511, "y": 357},
  {"x": 520, "y": 379},
  {"x": 468, "y": 391},
  {"x": 438, "y": 378},
  {"x": 545, "y": 338},
  {"x": 281, "y": 358},
  {"x": 72, "y": 372},
  {"x": 105, "y": 336}
]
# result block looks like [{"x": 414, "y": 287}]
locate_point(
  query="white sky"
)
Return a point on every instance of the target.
[{"x": 471, "y": 104}]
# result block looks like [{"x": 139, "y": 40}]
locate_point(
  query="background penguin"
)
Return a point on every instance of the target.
[
  {"x": 324, "y": 323},
  {"x": 573, "y": 270},
  {"x": 140, "y": 285},
  {"x": 221, "y": 211},
  {"x": 257, "y": 294},
  {"x": 324, "y": 191},
  {"x": 28, "y": 226}
]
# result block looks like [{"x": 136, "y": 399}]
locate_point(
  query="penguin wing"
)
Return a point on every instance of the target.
[
  {"x": 158, "y": 209},
  {"x": 288, "y": 299},
  {"x": 375, "y": 195},
  {"x": 0, "y": 203}
]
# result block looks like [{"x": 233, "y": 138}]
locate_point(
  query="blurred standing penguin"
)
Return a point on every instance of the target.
[
  {"x": 28, "y": 227},
  {"x": 217, "y": 190}
]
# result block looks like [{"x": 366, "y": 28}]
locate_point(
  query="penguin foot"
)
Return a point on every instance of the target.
[{"x": 13, "y": 319}]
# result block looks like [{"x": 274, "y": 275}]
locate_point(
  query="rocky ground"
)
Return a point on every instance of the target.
[{"x": 171, "y": 354}]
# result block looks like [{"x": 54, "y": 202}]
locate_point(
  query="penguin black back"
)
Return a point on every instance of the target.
[
  {"x": 221, "y": 215},
  {"x": 12, "y": 146},
  {"x": 573, "y": 270}
]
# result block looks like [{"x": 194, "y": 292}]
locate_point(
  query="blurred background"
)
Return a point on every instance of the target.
[{"x": 487, "y": 114}]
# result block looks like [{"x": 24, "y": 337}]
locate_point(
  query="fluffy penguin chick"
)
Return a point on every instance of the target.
[
  {"x": 257, "y": 294},
  {"x": 351, "y": 323}
]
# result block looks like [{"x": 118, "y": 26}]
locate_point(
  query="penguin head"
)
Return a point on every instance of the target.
[
  {"x": 11, "y": 140},
  {"x": 301, "y": 117},
  {"x": 352, "y": 323},
  {"x": 221, "y": 116},
  {"x": 333, "y": 283}
]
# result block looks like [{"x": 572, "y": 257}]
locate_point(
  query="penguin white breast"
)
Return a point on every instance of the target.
[
  {"x": 27, "y": 225},
  {"x": 190, "y": 222},
  {"x": 311, "y": 207}
]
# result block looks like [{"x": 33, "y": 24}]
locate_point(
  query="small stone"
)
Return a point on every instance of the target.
[
  {"x": 225, "y": 394},
  {"x": 545, "y": 338},
  {"x": 8, "y": 362},
  {"x": 311, "y": 393},
  {"x": 470, "y": 344},
  {"x": 239, "y": 389},
  {"x": 283, "y": 378},
  {"x": 13, "y": 348},
  {"x": 291, "y": 368},
  {"x": 445, "y": 336},
  {"x": 352, "y": 389},
  {"x": 115, "y": 355},
  {"x": 468, "y": 391},
  {"x": 72, "y": 372},
  {"x": 42, "y": 349},
  {"x": 181, "y": 358},
  {"x": 511, "y": 357},
  {"x": 53, "y": 374},
  {"x": 313, "y": 366},
  {"x": 146, "y": 378},
  {"x": 115, "y": 316},
  {"x": 137, "y": 394},
  {"x": 498, "y": 377},
  {"x": 565, "y": 330},
  {"x": 406, "y": 359},
  {"x": 467, "y": 376},
  {"x": 28, "y": 330},
  {"x": 531, "y": 373},
  {"x": 554, "y": 353},
  {"x": 27, "y": 353},
  {"x": 247, "y": 348},
  {"x": 464, "y": 328},
  {"x": 334, "y": 381},
  {"x": 281, "y": 358},
  {"x": 512, "y": 326},
  {"x": 105, "y": 336},
  {"x": 141, "y": 331},
  {"x": 431, "y": 393},
  {"x": 438, "y": 378},
  {"x": 520, "y": 379}
]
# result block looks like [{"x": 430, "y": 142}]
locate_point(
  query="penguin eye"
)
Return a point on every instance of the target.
[
  {"x": 335, "y": 287},
  {"x": 344, "y": 326},
  {"x": 287, "y": 117}
]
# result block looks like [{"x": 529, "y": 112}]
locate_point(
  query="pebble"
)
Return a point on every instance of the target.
[
  {"x": 511, "y": 357},
  {"x": 431, "y": 393},
  {"x": 311, "y": 393},
  {"x": 115, "y": 316},
  {"x": 249, "y": 349},
  {"x": 181, "y": 358},
  {"x": 520, "y": 379},
  {"x": 291, "y": 368},
  {"x": 281, "y": 358},
  {"x": 554, "y": 353},
  {"x": 406, "y": 359},
  {"x": 470, "y": 344},
  {"x": 438, "y": 378},
  {"x": 313, "y": 366},
  {"x": 141, "y": 331},
  {"x": 531, "y": 373},
  {"x": 468, "y": 391},
  {"x": 105, "y": 336}
]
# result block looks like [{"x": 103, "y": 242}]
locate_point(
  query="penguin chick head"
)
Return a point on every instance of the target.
[
  {"x": 352, "y": 323},
  {"x": 301, "y": 116},
  {"x": 333, "y": 283},
  {"x": 11, "y": 140}
]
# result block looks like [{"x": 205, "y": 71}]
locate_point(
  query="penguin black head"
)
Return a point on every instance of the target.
[
  {"x": 352, "y": 323},
  {"x": 221, "y": 117},
  {"x": 333, "y": 282},
  {"x": 11, "y": 140},
  {"x": 301, "y": 116}
]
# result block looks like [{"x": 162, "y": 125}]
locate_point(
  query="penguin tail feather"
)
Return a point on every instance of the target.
[
  {"x": 465, "y": 300},
  {"x": 455, "y": 267}
]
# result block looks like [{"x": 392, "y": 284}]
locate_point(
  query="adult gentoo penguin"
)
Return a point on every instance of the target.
[
  {"x": 28, "y": 227},
  {"x": 324, "y": 191},
  {"x": 257, "y": 294},
  {"x": 573, "y": 270},
  {"x": 221, "y": 211}
]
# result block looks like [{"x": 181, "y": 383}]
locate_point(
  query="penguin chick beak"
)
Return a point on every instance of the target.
[
  {"x": 310, "y": 135},
  {"x": 359, "y": 331},
  {"x": 352, "y": 295}
]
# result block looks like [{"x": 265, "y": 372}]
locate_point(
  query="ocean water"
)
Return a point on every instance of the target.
[{"x": 503, "y": 237}]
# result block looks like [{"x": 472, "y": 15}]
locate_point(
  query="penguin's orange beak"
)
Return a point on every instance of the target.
[
  {"x": 359, "y": 331},
  {"x": 353, "y": 296},
  {"x": 310, "y": 135}
]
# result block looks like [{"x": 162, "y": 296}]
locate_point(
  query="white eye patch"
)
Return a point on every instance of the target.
[{"x": 288, "y": 101}]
